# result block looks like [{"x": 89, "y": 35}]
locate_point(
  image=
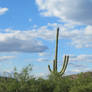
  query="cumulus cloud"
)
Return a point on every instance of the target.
[
  {"x": 81, "y": 58},
  {"x": 17, "y": 41},
  {"x": 28, "y": 40},
  {"x": 42, "y": 60},
  {"x": 74, "y": 70},
  {"x": 30, "y": 20},
  {"x": 5, "y": 58},
  {"x": 3, "y": 10},
  {"x": 79, "y": 63},
  {"x": 70, "y": 10},
  {"x": 17, "y": 45},
  {"x": 79, "y": 38},
  {"x": 73, "y": 10},
  {"x": 43, "y": 54}
]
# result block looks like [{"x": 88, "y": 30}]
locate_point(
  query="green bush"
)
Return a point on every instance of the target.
[
  {"x": 24, "y": 82},
  {"x": 82, "y": 88}
]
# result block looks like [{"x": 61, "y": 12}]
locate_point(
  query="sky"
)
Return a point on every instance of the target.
[{"x": 28, "y": 31}]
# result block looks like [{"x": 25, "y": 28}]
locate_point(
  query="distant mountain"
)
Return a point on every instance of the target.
[{"x": 83, "y": 74}]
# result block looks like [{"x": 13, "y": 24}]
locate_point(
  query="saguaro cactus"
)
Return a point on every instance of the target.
[{"x": 66, "y": 59}]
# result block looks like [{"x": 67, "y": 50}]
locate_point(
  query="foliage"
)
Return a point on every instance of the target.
[
  {"x": 24, "y": 82},
  {"x": 82, "y": 88}
]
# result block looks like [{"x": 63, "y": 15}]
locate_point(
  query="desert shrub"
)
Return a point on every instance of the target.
[
  {"x": 82, "y": 88},
  {"x": 24, "y": 82}
]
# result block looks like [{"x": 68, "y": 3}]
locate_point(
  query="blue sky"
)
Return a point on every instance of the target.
[{"x": 28, "y": 29}]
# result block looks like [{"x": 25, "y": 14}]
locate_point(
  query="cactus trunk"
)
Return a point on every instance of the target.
[
  {"x": 56, "y": 51},
  {"x": 66, "y": 59}
]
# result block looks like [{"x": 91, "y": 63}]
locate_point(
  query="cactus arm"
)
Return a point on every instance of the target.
[
  {"x": 49, "y": 68},
  {"x": 56, "y": 50},
  {"x": 67, "y": 60},
  {"x": 53, "y": 65},
  {"x": 64, "y": 65}
]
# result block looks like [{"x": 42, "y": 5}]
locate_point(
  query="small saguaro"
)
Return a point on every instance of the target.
[{"x": 66, "y": 59}]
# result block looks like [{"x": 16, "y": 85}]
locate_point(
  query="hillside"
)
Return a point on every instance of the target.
[{"x": 83, "y": 74}]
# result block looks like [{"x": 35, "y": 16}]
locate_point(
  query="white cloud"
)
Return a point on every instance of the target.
[
  {"x": 69, "y": 10},
  {"x": 42, "y": 60},
  {"x": 5, "y": 58},
  {"x": 79, "y": 63},
  {"x": 78, "y": 70},
  {"x": 76, "y": 64},
  {"x": 3, "y": 10},
  {"x": 18, "y": 41},
  {"x": 81, "y": 58},
  {"x": 43, "y": 54},
  {"x": 73, "y": 10},
  {"x": 27, "y": 40},
  {"x": 80, "y": 38},
  {"x": 30, "y": 20}
]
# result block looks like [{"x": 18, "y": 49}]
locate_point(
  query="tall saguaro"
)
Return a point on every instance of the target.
[
  {"x": 56, "y": 54},
  {"x": 66, "y": 59}
]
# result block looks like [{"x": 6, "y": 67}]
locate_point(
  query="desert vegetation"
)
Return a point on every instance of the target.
[{"x": 25, "y": 82}]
